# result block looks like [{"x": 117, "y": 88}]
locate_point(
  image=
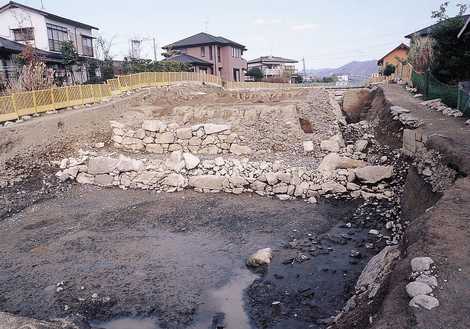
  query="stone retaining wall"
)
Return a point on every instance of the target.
[
  {"x": 338, "y": 176},
  {"x": 159, "y": 137}
]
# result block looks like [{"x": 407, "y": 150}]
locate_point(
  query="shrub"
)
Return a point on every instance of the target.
[{"x": 389, "y": 70}]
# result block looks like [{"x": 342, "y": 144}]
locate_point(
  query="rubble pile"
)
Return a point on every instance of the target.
[
  {"x": 439, "y": 106},
  {"x": 432, "y": 166},
  {"x": 405, "y": 117},
  {"x": 158, "y": 137}
]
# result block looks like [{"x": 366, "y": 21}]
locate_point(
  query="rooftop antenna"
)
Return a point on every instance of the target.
[{"x": 42, "y": 5}]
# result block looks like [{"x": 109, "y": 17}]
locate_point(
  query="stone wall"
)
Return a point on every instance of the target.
[
  {"x": 337, "y": 175},
  {"x": 159, "y": 137}
]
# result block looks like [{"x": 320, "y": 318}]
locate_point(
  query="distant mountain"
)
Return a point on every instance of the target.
[{"x": 354, "y": 69}]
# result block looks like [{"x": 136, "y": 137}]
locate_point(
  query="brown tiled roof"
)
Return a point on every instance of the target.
[{"x": 201, "y": 39}]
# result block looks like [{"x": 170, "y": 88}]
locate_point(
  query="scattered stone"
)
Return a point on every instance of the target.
[
  {"x": 430, "y": 280},
  {"x": 421, "y": 264},
  {"x": 424, "y": 301},
  {"x": 374, "y": 174},
  {"x": 260, "y": 258},
  {"x": 414, "y": 289},
  {"x": 240, "y": 150},
  {"x": 209, "y": 182},
  {"x": 191, "y": 161},
  {"x": 308, "y": 146}
]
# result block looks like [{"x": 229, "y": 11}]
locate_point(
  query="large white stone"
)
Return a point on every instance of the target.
[
  {"x": 102, "y": 165},
  {"x": 209, "y": 182},
  {"x": 420, "y": 264},
  {"x": 191, "y": 161},
  {"x": 127, "y": 164},
  {"x": 333, "y": 161},
  {"x": 374, "y": 174},
  {"x": 175, "y": 161},
  {"x": 414, "y": 289},
  {"x": 361, "y": 145},
  {"x": 212, "y": 128},
  {"x": 333, "y": 187},
  {"x": 175, "y": 180},
  {"x": 308, "y": 146},
  {"x": 260, "y": 258},
  {"x": 424, "y": 301},
  {"x": 153, "y": 125},
  {"x": 330, "y": 146},
  {"x": 165, "y": 138},
  {"x": 184, "y": 133}
]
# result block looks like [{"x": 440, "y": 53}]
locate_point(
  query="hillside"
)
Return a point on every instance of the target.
[{"x": 355, "y": 68}]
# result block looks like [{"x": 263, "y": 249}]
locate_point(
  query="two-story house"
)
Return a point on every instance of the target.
[
  {"x": 394, "y": 57},
  {"x": 274, "y": 67},
  {"x": 211, "y": 54},
  {"x": 23, "y": 25}
]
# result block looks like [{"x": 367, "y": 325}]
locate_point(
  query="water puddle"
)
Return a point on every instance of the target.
[
  {"x": 224, "y": 307},
  {"x": 128, "y": 323}
]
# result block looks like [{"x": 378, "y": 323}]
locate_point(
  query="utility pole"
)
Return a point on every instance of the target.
[
  {"x": 154, "y": 49},
  {"x": 305, "y": 70}
]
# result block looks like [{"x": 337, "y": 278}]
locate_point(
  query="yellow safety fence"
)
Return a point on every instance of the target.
[{"x": 14, "y": 106}]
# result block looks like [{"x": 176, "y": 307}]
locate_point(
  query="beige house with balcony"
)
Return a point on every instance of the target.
[
  {"x": 211, "y": 54},
  {"x": 274, "y": 67},
  {"x": 22, "y": 25}
]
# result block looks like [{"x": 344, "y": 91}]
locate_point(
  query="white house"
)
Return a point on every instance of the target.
[
  {"x": 274, "y": 67},
  {"x": 44, "y": 31}
]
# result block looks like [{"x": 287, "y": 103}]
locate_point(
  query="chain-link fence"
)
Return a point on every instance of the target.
[{"x": 432, "y": 88}]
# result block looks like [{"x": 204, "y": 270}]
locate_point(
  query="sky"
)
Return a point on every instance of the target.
[{"x": 326, "y": 33}]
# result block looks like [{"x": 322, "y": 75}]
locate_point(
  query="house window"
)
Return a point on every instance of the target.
[
  {"x": 211, "y": 55},
  {"x": 218, "y": 54},
  {"x": 87, "y": 46},
  {"x": 23, "y": 34},
  {"x": 56, "y": 35},
  {"x": 236, "y": 52},
  {"x": 203, "y": 51}
]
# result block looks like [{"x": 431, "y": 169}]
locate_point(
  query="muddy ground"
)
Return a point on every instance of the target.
[{"x": 164, "y": 256}]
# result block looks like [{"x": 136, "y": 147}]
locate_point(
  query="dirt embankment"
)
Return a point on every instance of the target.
[{"x": 438, "y": 224}]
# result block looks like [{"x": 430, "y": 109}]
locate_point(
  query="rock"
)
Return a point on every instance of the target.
[
  {"x": 165, "y": 138},
  {"x": 467, "y": 122},
  {"x": 283, "y": 197},
  {"x": 184, "y": 133},
  {"x": 191, "y": 161},
  {"x": 154, "y": 148},
  {"x": 271, "y": 178},
  {"x": 175, "y": 161},
  {"x": 240, "y": 150},
  {"x": 153, "y": 125},
  {"x": 361, "y": 145},
  {"x": 260, "y": 258},
  {"x": 209, "y": 182},
  {"x": 284, "y": 177},
  {"x": 104, "y": 180},
  {"x": 211, "y": 128},
  {"x": 355, "y": 101},
  {"x": 333, "y": 187},
  {"x": 374, "y": 174},
  {"x": 374, "y": 232},
  {"x": 377, "y": 270},
  {"x": 352, "y": 187},
  {"x": 333, "y": 161},
  {"x": 238, "y": 181},
  {"x": 175, "y": 180},
  {"x": 330, "y": 146},
  {"x": 430, "y": 280},
  {"x": 414, "y": 289},
  {"x": 308, "y": 146},
  {"x": 102, "y": 165},
  {"x": 312, "y": 200},
  {"x": 424, "y": 301},
  {"x": 84, "y": 178},
  {"x": 127, "y": 164},
  {"x": 99, "y": 145},
  {"x": 397, "y": 110},
  {"x": 421, "y": 264}
]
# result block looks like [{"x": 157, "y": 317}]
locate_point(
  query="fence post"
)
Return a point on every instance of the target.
[
  {"x": 15, "y": 106},
  {"x": 52, "y": 100},
  {"x": 426, "y": 84},
  {"x": 34, "y": 102},
  {"x": 81, "y": 94}
]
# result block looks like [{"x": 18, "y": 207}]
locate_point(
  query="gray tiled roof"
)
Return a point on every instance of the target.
[
  {"x": 14, "y": 47},
  {"x": 184, "y": 58},
  {"x": 272, "y": 59},
  {"x": 202, "y": 39}
]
